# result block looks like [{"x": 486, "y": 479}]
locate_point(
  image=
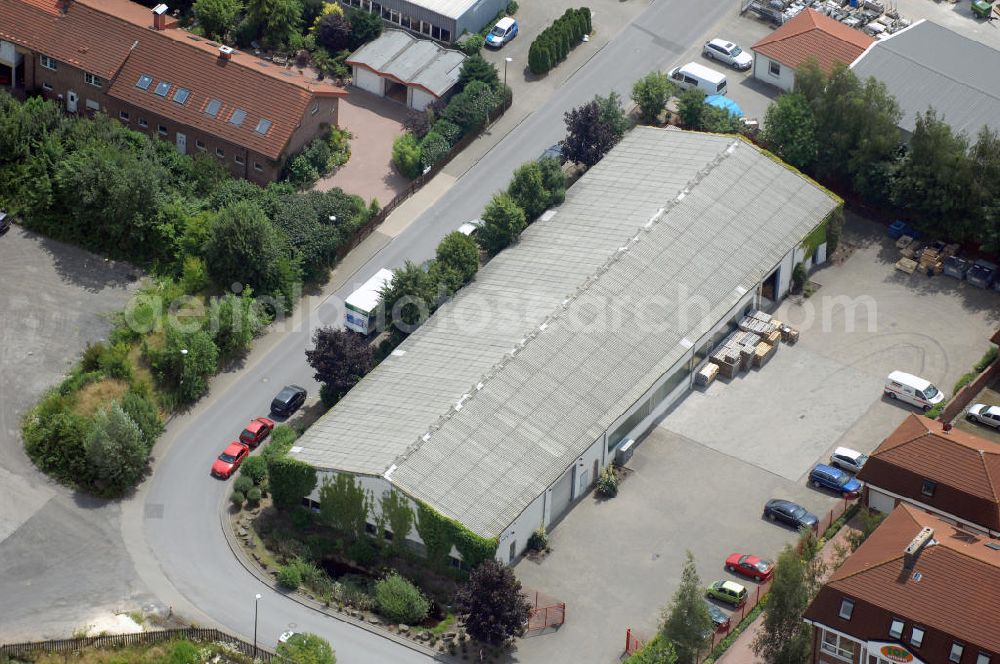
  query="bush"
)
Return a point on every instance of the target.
[
  {"x": 799, "y": 277},
  {"x": 986, "y": 360},
  {"x": 527, "y": 188},
  {"x": 433, "y": 148},
  {"x": 539, "y": 540},
  {"x": 237, "y": 499},
  {"x": 289, "y": 576},
  {"x": 289, "y": 480},
  {"x": 449, "y": 130},
  {"x": 503, "y": 221},
  {"x": 400, "y": 601},
  {"x": 254, "y": 468},
  {"x": 651, "y": 94},
  {"x": 471, "y": 45},
  {"x": 242, "y": 484},
  {"x": 406, "y": 156},
  {"x": 194, "y": 275},
  {"x": 184, "y": 652},
  {"x": 364, "y": 552},
  {"x": 607, "y": 482},
  {"x": 253, "y": 496},
  {"x": 116, "y": 452}
]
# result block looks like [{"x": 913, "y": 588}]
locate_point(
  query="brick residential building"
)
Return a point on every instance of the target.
[
  {"x": 135, "y": 64},
  {"x": 919, "y": 590},
  {"x": 937, "y": 468}
]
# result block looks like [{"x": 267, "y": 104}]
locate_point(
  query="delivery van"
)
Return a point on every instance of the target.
[
  {"x": 694, "y": 75},
  {"x": 913, "y": 390}
]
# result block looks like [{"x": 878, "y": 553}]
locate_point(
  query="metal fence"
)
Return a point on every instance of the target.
[
  {"x": 545, "y": 611},
  {"x": 632, "y": 642},
  {"x": 139, "y": 639},
  {"x": 366, "y": 229}
]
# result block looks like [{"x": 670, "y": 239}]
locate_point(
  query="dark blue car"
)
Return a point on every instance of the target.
[{"x": 835, "y": 479}]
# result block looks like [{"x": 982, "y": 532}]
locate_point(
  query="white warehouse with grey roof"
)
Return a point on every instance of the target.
[
  {"x": 501, "y": 409},
  {"x": 413, "y": 71},
  {"x": 442, "y": 20}
]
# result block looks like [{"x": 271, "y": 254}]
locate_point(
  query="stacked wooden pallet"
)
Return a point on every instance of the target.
[
  {"x": 706, "y": 374},
  {"x": 763, "y": 353},
  {"x": 931, "y": 260}
]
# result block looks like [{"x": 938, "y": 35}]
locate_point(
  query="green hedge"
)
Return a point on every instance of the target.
[{"x": 556, "y": 41}]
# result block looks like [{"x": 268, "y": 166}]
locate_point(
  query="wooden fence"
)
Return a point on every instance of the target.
[
  {"x": 140, "y": 639},
  {"x": 366, "y": 229}
]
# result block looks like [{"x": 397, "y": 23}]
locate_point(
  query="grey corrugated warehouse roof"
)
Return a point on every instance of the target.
[
  {"x": 412, "y": 61},
  {"x": 927, "y": 65},
  {"x": 693, "y": 217},
  {"x": 449, "y": 8}
]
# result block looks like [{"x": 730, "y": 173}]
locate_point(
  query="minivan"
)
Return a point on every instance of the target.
[
  {"x": 913, "y": 390},
  {"x": 694, "y": 75},
  {"x": 504, "y": 31}
]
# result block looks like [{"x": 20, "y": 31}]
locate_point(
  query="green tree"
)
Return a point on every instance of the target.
[
  {"x": 400, "y": 601},
  {"x": 333, "y": 32},
  {"x": 589, "y": 137},
  {"x": 470, "y": 108},
  {"x": 340, "y": 359},
  {"x": 651, "y": 94},
  {"x": 612, "y": 114},
  {"x": 553, "y": 179},
  {"x": 236, "y": 320},
  {"x": 476, "y": 68},
  {"x": 492, "y": 603},
  {"x": 783, "y": 637},
  {"x": 527, "y": 188},
  {"x": 254, "y": 467},
  {"x": 116, "y": 450},
  {"x": 460, "y": 253},
  {"x": 686, "y": 622},
  {"x": 216, "y": 17},
  {"x": 186, "y": 362},
  {"x": 277, "y": 21},
  {"x": 142, "y": 411},
  {"x": 306, "y": 648},
  {"x": 539, "y": 57},
  {"x": 365, "y": 27},
  {"x": 503, "y": 221},
  {"x": 408, "y": 300},
  {"x": 309, "y": 232},
  {"x": 344, "y": 505},
  {"x": 289, "y": 480},
  {"x": 984, "y": 189},
  {"x": 790, "y": 130},
  {"x": 691, "y": 107},
  {"x": 406, "y": 156},
  {"x": 433, "y": 148}
]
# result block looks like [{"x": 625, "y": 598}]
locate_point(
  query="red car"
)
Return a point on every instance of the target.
[
  {"x": 230, "y": 459},
  {"x": 256, "y": 432},
  {"x": 749, "y": 566}
]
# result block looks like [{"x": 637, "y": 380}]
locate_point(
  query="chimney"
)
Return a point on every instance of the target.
[
  {"x": 912, "y": 551},
  {"x": 160, "y": 17},
  {"x": 226, "y": 52}
]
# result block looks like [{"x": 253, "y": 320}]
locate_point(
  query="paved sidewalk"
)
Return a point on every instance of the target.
[{"x": 740, "y": 652}]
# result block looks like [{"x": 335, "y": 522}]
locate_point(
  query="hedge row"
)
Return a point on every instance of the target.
[{"x": 555, "y": 42}]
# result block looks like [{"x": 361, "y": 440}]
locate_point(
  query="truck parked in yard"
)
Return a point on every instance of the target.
[{"x": 362, "y": 305}]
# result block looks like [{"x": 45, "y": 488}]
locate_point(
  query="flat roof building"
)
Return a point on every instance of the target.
[
  {"x": 501, "y": 409},
  {"x": 442, "y": 20}
]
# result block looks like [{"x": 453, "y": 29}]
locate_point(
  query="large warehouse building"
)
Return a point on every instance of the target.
[
  {"x": 500, "y": 410},
  {"x": 443, "y": 20}
]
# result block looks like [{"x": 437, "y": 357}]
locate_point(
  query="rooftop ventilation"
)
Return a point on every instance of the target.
[
  {"x": 913, "y": 549},
  {"x": 226, "y": 52},
  {"x": 160, "y": 17}
]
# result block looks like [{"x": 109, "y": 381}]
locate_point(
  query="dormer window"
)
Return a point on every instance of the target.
[{"x": 928, "y": 488}]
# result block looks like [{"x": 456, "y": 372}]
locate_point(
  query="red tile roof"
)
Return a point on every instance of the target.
[
  {"x": 114, "y": 39},
  {"x": 955, "y": 591},
  {"x": 813, "y": 35}
]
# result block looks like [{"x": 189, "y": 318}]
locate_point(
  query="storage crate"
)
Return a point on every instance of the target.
[{"x": 706, "y": 375}]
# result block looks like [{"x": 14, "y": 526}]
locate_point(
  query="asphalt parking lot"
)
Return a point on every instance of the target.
[
  {"x": 55, "y": 299},
  {"x": 699, "y": 480}
]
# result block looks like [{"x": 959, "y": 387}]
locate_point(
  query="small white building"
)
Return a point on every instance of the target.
[
  {"x": 412, "y": 71},
  {"x": 809, "y": 35}
]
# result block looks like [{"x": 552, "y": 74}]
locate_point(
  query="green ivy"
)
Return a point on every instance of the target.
[
  {"x": 344, "y": 504},
  {"x": 440, "y": 533}
]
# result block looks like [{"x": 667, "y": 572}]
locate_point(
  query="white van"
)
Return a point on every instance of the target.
[
  {"x": 694, "y": 75},
  {"x": 913, "y": 390}
]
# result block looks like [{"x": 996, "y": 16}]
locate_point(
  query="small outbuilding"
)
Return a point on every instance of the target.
[{"x": 415, "y": 72}]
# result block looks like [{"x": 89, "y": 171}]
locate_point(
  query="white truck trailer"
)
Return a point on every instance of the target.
[{"x": 361, "y": 305}]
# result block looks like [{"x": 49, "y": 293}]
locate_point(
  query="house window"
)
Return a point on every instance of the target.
[
  {"x": 143, "y": 123},
  {"x": 896, "y": 628},
  {"x": 162, "y": 130},
  {"x": 435, "y": 32},
  {"x": 773, "y": 68},
  {"x": 47, "y": 87},
  {"x": 181, "y": 95},
  {"x": 956, "y": 652},
  {"x": 370, "y": 528},
  {"x": 928, "y": 488},
  {"x": 846, "y": 608},
  {"x": 263, "y": 126},
  {"x": 123, "y": 116},
  {"x": 198, "y": 143},
  {"x": 48, "y": 63},
  {"x": 315, "y": 109},
  {"x": 257, "y": 167},
  {"x": 96, "y": 81},
  {"x": 239, "y": 159},
  {"x": 220, "y": 153},
  {"x": 445, "y": 35},
  {"x": 387, "y": 535},
  {"x": 838, "y": 646},
  {"x": 917, "y": 636},
  {"x": 983, "y": 658}
]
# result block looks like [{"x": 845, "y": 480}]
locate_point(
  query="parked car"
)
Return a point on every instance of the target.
[
  {"x": 286, "y": 636},
  {"x": 504, "y": 31},
  {"x": 729, "y": 592},
  {"x": 230, "y": 459},
  {"x": 847, "y": 459},
  {"x": 790, "y": 513},
  {"x": 834, "y": 479},
  {"x": 983, "y": 414},
  {"x": 4, "y": 221},
  {"x": 256, "y": 432},
  {"x": 289, "y": 400},
  {"x": 554, "y": 152},
  {"x": 470, "y": 228},
  {"x": 719, "y": 618},
  {"x": 749, "y": 566},
  {"x": 913, "y": 390},
  {"x": 727, "y": 52}
]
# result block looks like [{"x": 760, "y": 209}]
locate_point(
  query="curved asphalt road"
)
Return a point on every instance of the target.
[{"x": 179, "y": 513}]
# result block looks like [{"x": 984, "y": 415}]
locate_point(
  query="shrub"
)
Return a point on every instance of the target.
[
  {"x": 142, "y": 411},
  {"x": 964, "y": 380},
  {"x": 553, "y": 44},
  {"x": 799, "y": 277},
  {"x": 539, "y": 540},
  {"x": 651, "y": 94},
  {"x": 471, "y": 45},
  {"x": 607, "y": 482},
  {"x": 242, "y": 484},
  {"x": 194, "y": 275},
  {"x": 406, "y": 156},
  {"x": 400, "y": 601},
  {"x": 527, "y": 188},
  {"x": 986, "y": 360},
  {"x": 433, "y": 148},
  {"x": 237, "y": 499},
  {"x": 289, "y": 480},
  {"x": 116, "y": 451},
  {"x": 503, "y": 221},
  {"x": 447, "y": 129},
  {"x": 184, "y": 652},
  {"x": 254, "y": 468},
  {"x": 253, "y": 496},
  {"x": 289, "y": 576},
  {"x": 363, "y": 551}
]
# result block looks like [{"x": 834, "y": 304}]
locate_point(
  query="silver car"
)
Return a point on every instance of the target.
[
  {"x": 988, "y": 415},
  {"x": 727, "y": 52},
  {"x": 847, "y": 459}
]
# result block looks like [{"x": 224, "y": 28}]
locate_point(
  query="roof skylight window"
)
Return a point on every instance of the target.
[
  {"x": 162, "y": 88},
  {"x": 181, "y": 95},
  {"x": 239, "y": 115},
  {"x": 144, "y": 82},
  {"x": 263, "y": 126},
  {"x": 213, "y": 107}
]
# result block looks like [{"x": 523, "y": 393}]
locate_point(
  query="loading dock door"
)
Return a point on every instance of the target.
[{"x": 562, "y": 493}]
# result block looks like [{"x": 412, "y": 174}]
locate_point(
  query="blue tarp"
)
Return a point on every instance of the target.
[{"x": 726, "y": 104}]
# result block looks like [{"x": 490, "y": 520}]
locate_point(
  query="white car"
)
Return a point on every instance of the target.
[
  {"x": 988, "y": 415},
  {"x": 470, "y": 227},
  {"x": 727, "y": 52},
  {"x": 285, "y": 636},
  {"x": 847, "y": 459}
]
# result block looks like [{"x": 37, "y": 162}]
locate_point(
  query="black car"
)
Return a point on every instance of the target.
[
  {"x": 720, "y": 620},
  {"x": 288, "y": 400},
  {"x": 789, "y": 513},
  {"x": 4, "y": 221}
]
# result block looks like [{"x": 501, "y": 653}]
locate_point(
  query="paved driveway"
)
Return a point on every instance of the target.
[{"x": 700, "y": 478}]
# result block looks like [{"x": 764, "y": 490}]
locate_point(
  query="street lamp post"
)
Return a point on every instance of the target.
[
  {"x": 256, "y": 599},
  {"x": 506, "y": 61}
]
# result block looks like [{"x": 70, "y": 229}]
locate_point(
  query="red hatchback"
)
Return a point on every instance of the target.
[
  {"x": 255, "y": 432},
  {"x": 230, "y": 459},
  {"x": 749, "y": 566}
]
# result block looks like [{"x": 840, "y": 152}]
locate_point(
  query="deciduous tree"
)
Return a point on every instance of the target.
[
  {"x": 216, "y": 17},
  {"x": 116, "y": 450},
  {"x": 503, "y": 221},
  {"x": 340, "y": 359},
  {"x": 790, "y": 130},
  {"x": 527, "y": 188},
  {"x": 492, "y": 603},
  {"x": 306, "y": 648},
  {"x": 651, "y": 93},
  {"x": 589, "y": 136},
  {"x": 460, "y": 253},
  {"x": 333, "y": 32},
  {"x": 783, "y": 637}
]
